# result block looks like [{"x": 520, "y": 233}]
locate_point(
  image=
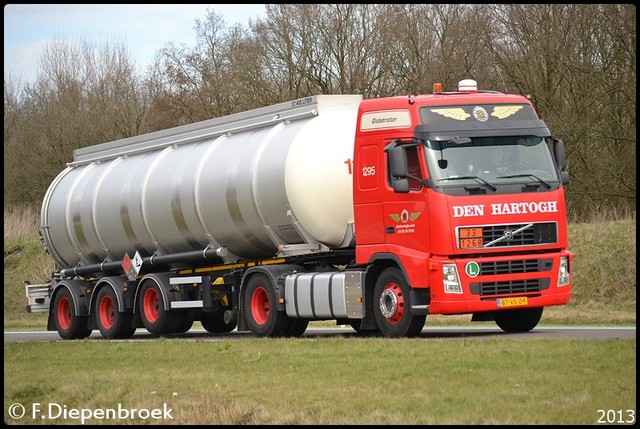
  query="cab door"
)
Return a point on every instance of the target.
[{"x": 405, "y": 208}]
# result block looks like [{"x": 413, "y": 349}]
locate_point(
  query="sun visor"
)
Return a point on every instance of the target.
[{"x": 447, "y": 122}]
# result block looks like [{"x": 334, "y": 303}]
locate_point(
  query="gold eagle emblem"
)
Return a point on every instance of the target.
[
  {"x": 456, "y": 113},
  {"x": 502, "y": 112}
]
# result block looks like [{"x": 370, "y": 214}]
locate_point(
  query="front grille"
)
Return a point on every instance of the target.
[
  {"x": 520, "y": 234},
  {"x": 509, "y": 287},
  {"x": 513, "y": 267}
]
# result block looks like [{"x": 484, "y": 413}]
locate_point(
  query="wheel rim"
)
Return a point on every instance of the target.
[
  {"x": 392, "y": 303},
  {"x": 107, "y": 312},
  {"x": 64, "y": 313},
  {"x": 260, "y": 305},
  {"x": 151, "y": 305}
]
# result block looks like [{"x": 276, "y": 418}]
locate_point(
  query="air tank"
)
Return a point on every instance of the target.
[{"x": 251, "y": 183}]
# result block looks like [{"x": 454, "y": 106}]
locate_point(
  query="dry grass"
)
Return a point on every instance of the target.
[{"x": 20, "y": 222}]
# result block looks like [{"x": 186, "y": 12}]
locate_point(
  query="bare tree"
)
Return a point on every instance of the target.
[
  {"x": 577, "y": 62},
  {"x": 83, "y": 95},
  {"x": 579, "y": 73}
]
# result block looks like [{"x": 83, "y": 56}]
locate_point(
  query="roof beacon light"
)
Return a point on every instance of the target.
[
  {"x": 437, "y": 88},
  {"x": 467, "y": 85}
]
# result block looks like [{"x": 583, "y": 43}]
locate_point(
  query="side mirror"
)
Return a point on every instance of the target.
[
  {"x": 398, "y": 162},
  {"x": 558, "y": 152},
  {"x": 401, "y": 186}
]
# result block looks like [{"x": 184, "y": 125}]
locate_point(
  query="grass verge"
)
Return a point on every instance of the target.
[{"x": 332, "y": 380}]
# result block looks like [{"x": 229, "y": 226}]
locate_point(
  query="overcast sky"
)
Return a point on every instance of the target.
[{"x": 142, "y": 29}]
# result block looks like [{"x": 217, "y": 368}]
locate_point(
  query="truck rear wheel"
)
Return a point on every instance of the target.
[
  {"x": 68, "y": 325},
  {"x": 215, "y": 323},
  {"x": 392, "y": 306},
  {"x": 260, "y": 305},
  {"x": 518, "y": 320},
  {"x": 297, "y": 327},
  {"x": 155, "y": 318},
  {"x": 111, "y": 322}
]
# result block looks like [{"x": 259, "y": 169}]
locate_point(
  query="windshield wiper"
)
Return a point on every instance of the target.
[
  {"x": 512, "y": 176},
  {"x": 484, "y": 182}
]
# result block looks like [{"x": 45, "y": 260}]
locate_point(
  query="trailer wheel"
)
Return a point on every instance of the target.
[
  {"x": 518, "y": 320},
  {"x": 263, "y": 318},
  {"x": 111, "y": 322},
  {"x": 215, "y": 324},
  {"x": 155, "y": 318},
  {"x": 185, "y": 322},
  {"x": 392, "y": 306},
  {"x": 68, "y": 325}
]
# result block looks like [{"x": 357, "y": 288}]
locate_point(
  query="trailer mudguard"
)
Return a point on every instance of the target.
[{"x": 80, "y": 291}]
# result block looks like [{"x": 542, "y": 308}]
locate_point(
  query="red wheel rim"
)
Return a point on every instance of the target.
[
  {"x": 260, "y": 306},
  {"x": 64, "y": 313},
  {"x": 151, "y": 305},
  {"x": 392, "y": 303},
  {"x": 107, "y": 312}
]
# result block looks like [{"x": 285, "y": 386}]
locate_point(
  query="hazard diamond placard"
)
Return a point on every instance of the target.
[{"x": 128, "y": 267}]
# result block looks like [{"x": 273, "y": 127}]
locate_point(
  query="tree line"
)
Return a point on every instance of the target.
[{"x": 577, "y": 63}]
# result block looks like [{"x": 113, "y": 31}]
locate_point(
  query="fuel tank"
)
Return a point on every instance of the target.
[{"x": 249, "y": 183}]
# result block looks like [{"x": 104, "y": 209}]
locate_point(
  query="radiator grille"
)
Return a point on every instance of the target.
[{"x": 510, "y": 287}]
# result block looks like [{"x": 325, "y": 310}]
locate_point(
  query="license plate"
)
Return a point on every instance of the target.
[{"x": 512, "y": 302}]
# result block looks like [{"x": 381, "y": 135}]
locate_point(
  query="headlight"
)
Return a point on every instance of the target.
[
  {"x": 563, "y": 272},
  {"x": 450, "y": 279}
]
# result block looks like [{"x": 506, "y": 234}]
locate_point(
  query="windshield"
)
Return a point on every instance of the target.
[{"x": 494, "y": 160}]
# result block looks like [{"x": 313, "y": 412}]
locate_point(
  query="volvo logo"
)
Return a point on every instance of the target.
[{"x": 508, "y": 235}]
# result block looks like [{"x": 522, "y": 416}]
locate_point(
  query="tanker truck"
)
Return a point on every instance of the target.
[{"x": 373, "y": 213}]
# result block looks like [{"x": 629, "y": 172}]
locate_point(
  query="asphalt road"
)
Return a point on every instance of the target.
[{"x": 484, "y": 332}]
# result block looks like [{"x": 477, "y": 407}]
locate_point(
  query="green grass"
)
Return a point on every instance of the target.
[{"x": 330, "y": 380}]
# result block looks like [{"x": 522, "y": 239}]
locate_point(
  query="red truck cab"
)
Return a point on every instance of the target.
[{"x": 465, "y": 192}]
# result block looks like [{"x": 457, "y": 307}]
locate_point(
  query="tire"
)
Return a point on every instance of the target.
[
  {"x": 392, "y": 306},
  {"x": 214, "y": 322},
  {"x": 518, "y": 320},
  {"x": 111, "y": 322},
  {"x": 68, "y": 325},
  {"x": 355, "y": 325},
  {"x": 155, "y": 318},
  {"x": 263, "y": 318},
  {"x": 185, "y": 322},
  {"x": 297, "y": 327}
]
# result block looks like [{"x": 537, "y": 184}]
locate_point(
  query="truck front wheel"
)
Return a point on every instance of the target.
[
  {"x": 111, "y": 322},
  {"x": 68, "y": 325},
  {"x": 263, "y": 317},
  {"x": 518, "y": 320},
  {"x": 392, "y": 306}
]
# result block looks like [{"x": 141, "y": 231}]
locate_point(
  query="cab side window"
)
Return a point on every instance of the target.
[{"x": 413, "y": 165}]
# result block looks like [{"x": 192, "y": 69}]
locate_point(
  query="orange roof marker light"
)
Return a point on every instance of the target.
[{"x": 437, "y": 88}]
